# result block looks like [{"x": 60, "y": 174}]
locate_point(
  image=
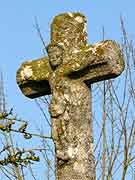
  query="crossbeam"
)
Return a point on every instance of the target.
[{"x": 94, "y": 63}]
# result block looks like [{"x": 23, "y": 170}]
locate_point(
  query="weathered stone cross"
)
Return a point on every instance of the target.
[{"x": 70, "y": 67}]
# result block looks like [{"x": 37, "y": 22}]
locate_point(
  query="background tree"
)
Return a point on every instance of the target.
[
  {"x": 115, "y": 103},
  {"x": 18, "y": 157}
]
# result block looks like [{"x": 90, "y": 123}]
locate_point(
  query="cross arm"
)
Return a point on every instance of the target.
[
  {"x": 32, "y": 78},
  {"x": 97, "y": 62}
]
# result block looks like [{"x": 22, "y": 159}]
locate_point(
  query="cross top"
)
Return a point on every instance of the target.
[{"x": 69, "y": 31}]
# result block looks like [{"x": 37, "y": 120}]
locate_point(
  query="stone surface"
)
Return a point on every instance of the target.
[
  {"x": 32, "y": 78},
  {"x": 70, "y": 68}
]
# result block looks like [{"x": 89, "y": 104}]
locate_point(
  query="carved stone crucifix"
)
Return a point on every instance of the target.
[{"x": 67, "y": 73}]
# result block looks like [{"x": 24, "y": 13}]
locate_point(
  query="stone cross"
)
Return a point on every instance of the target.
[{"x": 67, "y": 73}]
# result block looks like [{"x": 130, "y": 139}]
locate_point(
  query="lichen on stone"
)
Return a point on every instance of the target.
[{"x": 26, "y": 72}]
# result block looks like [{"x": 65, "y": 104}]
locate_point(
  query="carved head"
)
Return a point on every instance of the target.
[{"x": 55, "y": 53}]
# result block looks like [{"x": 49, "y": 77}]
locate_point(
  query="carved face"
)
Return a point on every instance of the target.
[{"x": 55, "y": 54}]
